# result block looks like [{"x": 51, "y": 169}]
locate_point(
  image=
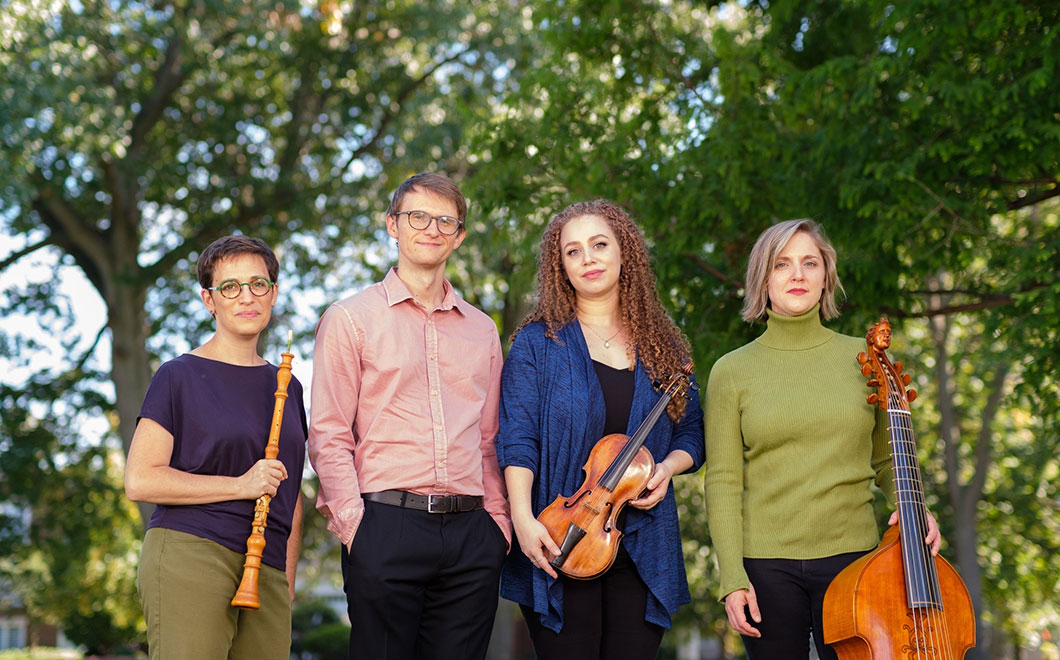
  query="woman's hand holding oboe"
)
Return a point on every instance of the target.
[{"x": 263, "y": 478}]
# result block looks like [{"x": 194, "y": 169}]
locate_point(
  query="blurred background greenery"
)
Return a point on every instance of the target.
[{"x": 924, "y": 135}]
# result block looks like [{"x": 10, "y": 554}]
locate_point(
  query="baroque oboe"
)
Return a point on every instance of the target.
[{"x": 247, "y": 594}]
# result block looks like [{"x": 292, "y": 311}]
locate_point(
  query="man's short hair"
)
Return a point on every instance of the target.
[{"x": 434, "y": 183}]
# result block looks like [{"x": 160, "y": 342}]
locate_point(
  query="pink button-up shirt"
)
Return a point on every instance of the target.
[{"x": 404, "y": 398}]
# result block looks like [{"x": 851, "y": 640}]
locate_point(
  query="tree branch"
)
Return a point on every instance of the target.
[
  {"x": 91, "y": 349},
  {"x": 983, "y": 447},
  {"x": 73, "y": 233},
  {"x": 949, "y": 430},
  {"x": 304, "y": 107},
  {"x": 687, "y": 82},
  {"x": 997, "y": 301},
  {"x": 205, "y": 234},
  {"x": 1034, "y": 199},
  {"x": 713, "y": 271},
  {"x": 1040, "y": 181},
  {"x": 389, "y": 116},
  {"x": 168, "y": 79},
  {"x": 15, "y": 256}
]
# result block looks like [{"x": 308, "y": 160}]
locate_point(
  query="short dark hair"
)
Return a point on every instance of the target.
[
  {"x": 431, "y": 182},
  {"x": 231, "y": 246}
]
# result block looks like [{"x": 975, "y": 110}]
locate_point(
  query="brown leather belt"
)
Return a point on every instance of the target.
[{"x": 428, "y": 503}]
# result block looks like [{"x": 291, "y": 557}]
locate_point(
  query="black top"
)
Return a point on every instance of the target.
[
  {"x": 220, "y": 416},
  {"x": 617, "y": 385}
]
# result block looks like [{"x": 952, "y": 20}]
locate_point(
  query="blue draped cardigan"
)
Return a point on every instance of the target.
[{"x": 551, "y": 415}]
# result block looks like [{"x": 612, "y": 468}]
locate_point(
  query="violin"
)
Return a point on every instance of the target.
[
  {"x": 898, "y": 601},
  {"x": 584, "y": 525}
]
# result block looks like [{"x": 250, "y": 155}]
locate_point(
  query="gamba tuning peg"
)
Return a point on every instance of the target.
[
  {"x": 872, "y": 399},
  {"x": 910, "y": 395},
  {"x": 862, "y": 358},
  {"x": 898, "y": 366},
  {"x": 866, "y": 369},
  {"x": 906, "y": 379},
  {"x": 873, "y": 383}
]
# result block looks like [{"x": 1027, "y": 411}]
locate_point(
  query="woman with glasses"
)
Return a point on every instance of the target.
[
  {"x": 581, "y": 367},
  {"x": 793, "y": 450},
  {"x": 197, "y": 454}
]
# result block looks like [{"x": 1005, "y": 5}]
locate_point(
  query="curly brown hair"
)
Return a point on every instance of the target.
[{"x": 654, "y": 339}]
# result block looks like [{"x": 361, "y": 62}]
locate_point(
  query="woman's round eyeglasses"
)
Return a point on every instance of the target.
[
  {"x": 259, "y": 286},
  {"x": 420, "y": 220}
]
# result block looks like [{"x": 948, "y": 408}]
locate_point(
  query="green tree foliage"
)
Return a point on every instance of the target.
[
  {"x": 132, "y": 134},
  {"x": 317, "y": 632},
  {"x": 69, "y": 540},
  {"x": 923, "y": 136}
]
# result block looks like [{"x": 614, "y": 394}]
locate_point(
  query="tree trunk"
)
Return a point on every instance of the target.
[
  {"x": 962, "y": 502},
  {"x": 130, "y": 368},
  {"x": 125, "y": 291},
  {"x": 966, "y": 541}
]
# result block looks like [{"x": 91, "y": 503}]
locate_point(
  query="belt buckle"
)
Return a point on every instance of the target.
[{"x": 439, "y": 503}]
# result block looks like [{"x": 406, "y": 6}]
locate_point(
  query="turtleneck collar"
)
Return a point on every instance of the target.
[{"x": 795, "y": 333}]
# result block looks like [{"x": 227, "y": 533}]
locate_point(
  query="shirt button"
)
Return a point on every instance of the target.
[{"x": 437, "y": 427}]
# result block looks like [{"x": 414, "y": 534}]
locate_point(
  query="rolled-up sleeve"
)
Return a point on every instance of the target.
[
  {"x": 334, "y": 396},
  {"x": 688, "y": 434},
  {"x": 518, "y": 442},
  {"x": 492, "y": 480}
]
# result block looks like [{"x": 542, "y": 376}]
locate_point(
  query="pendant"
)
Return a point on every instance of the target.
[{"x": 607, "y": 344}]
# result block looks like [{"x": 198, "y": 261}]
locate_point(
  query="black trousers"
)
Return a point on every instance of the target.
[
  {"x": 790, "y": 598},
  {"x": 603, "y": 619},
  {"x": 422, "y": 586}
]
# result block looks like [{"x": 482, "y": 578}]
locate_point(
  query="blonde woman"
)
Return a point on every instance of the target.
[{"x": 792, "y": 450}]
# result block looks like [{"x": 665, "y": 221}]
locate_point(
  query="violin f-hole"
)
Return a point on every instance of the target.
[{"x": 574, "y": 500}]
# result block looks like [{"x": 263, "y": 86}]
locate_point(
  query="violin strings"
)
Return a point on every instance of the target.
[
  {"x": 930, "y": 636},
  {"x": 900, "y": 456},
  {"x": 939, "y": 635}
]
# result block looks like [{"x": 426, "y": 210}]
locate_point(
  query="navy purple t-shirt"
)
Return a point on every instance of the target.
[{"x": 219, "y": 415}]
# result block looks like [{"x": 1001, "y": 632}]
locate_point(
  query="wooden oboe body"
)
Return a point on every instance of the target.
[{"x": 247, "y": 594}]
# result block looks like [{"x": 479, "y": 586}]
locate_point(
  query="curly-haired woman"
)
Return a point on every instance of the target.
[{"x": 581, "y": 366}]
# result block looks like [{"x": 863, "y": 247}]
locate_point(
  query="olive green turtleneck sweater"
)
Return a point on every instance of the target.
[{"x": 792, "y": 447}]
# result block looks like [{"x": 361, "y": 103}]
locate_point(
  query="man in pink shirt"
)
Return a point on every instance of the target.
[{"x": 406, "y": 381}]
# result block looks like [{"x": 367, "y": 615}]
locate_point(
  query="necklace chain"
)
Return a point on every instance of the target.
[{"x": 607, "y": 342}]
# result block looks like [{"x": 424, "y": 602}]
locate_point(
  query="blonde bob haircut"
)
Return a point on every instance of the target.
[{"x": 764, "y": 255}]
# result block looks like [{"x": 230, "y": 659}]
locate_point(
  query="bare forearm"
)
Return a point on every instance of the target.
[
  {"x": 166, "y": 485},
  {"x": 678, "y": 461},
  {"x": 519, "y": 481}
]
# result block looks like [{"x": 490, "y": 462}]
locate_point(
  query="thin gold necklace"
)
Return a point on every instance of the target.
[{"x": 607, "y": 342}]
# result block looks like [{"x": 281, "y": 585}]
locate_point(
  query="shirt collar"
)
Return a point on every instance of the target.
[{"x": 397, "y": 292}]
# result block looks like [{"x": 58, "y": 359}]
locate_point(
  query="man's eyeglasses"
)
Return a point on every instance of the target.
[
  {"x": 447, "y": 224},
  {"x": 259, "y": 286}
]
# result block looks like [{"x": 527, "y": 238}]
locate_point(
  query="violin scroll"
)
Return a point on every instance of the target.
[{"x": 889, "y": 381}]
